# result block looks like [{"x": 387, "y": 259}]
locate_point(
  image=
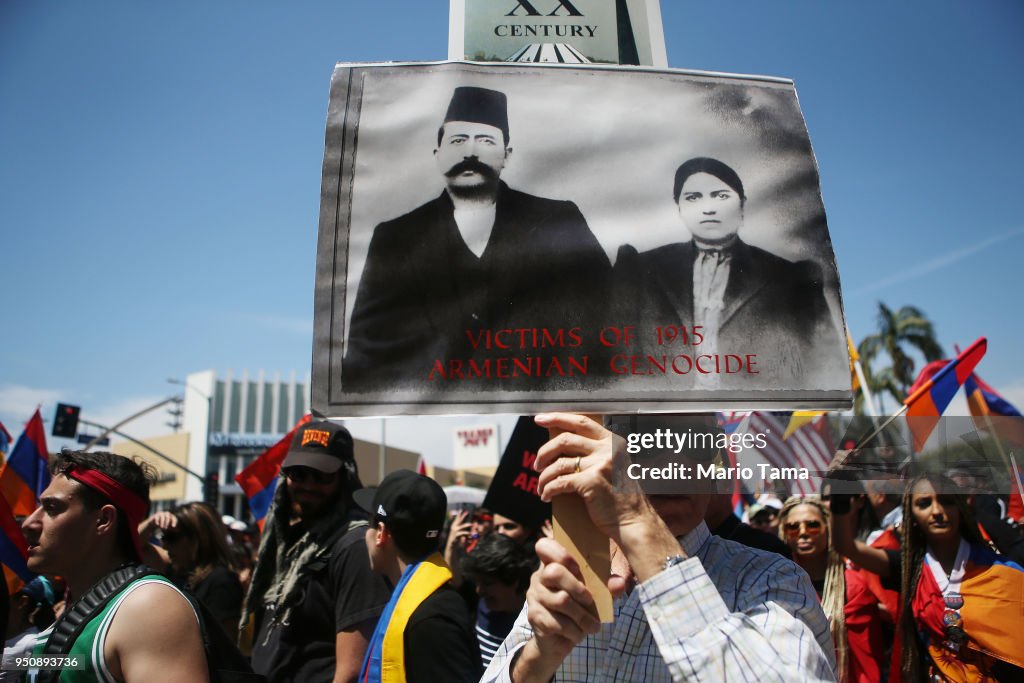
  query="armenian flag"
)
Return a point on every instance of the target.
[
  {"x": 985, "y": 402},
  {"x": 932, "y": 395},
  {"x": 991, "y": 600},
  {"x": 259, "y": 479},
  {"x": 13, "y": 550},
  {"x": 25, "y": 475}
]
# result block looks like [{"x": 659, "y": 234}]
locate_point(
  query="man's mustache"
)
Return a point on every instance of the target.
[{"x": 471, "y": 164}]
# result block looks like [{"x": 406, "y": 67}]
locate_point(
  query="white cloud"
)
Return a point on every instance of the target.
[
  {"x": 18, "y": 402},
  {"x": 937, "y": 263}
]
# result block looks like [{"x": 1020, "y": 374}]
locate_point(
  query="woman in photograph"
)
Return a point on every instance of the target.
[
  {"x": 732, "y": 297},
  {"x": 851, "y": 609},
  {"x": 960, "y": 602}
]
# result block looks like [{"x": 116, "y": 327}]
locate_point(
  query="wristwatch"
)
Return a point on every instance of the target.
[{"x": 672, "y": 561}]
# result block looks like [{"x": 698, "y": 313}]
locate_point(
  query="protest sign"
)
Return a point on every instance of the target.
[
  {"x": 513, "y": 491},
  {"x": 452, "y": 281}
]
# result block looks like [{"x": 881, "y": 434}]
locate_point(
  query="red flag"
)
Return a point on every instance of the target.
[
  {"x": 259, "y": 479},
  {"x": 931, "y": 398},
  {"x": 421, "y": 467}
]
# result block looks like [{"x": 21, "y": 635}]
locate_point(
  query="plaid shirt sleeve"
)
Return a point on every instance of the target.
[
  {"x": 500, "y": 668},
  {"x": 780, "y": 634},
  {"x": 726, "y": 613}
]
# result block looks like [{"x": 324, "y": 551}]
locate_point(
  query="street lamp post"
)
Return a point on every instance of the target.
[{"x": 210, "y": 487}]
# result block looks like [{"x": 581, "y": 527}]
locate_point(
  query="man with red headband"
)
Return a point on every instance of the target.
[{"x": 85, "y": 529}]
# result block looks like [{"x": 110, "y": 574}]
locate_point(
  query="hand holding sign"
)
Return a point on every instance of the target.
[{"x": 591, "y": 462}]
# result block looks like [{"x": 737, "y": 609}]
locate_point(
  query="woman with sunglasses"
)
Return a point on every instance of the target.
[
  {"x": 961, "y": 604},
  {"x": 851, "y": 611},
  {"x": 194, "y": 541}
]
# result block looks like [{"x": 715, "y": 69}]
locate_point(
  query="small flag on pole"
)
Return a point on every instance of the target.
[
  {"x": 984, "y": 400},
  {"x": 930, "y": 395},
  {"x": 799, "y": 419}
]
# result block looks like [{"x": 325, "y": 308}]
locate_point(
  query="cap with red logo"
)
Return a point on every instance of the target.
[{"x": 320, "y": 445}]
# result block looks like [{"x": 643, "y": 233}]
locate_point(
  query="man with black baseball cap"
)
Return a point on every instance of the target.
[
  {"x": 314, "y": 600},
  {"x": 479, "y": 256},
  {"x": 425, "y": 633}
]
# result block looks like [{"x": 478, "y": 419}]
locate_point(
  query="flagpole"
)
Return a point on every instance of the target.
[
  {"x": 1002, "y": 453},
  {"x": 1016, "y": 476},
  {"x": 858, "y": 369},
  {"x": 885, "y": 424},
  {"x": 868, "y": 396}
]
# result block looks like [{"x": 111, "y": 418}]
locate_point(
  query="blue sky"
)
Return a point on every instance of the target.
[{"x": 160, "y": 172}]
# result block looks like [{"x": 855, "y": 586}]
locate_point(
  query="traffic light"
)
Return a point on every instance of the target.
[
  {"x": 211, "y": 488},
  {"x": 65, "y": 422}
]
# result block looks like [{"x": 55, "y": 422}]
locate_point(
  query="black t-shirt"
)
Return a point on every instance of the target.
[
  {"x": 440, "y": 641},
  {"x": 335, "y": 593},
  {"x": 221, "y": 592}
]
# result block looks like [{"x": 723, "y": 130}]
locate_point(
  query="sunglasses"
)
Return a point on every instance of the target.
[
  {"x": 170, "y": 537},
  {"x": 811, "y": 528},
  {"x": 300, "y": 474}
]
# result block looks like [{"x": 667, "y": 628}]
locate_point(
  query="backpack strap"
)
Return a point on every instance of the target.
[{"x": 73, "y": 621}]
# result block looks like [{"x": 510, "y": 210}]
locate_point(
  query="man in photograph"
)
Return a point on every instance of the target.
[
  {"x": 479, "y": 258},
  {"x": 733, "y": 297}
]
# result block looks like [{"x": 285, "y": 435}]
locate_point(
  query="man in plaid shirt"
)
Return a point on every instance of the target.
[{"x": 703, "y": 608}]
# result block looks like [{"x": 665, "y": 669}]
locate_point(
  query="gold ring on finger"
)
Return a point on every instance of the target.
[{"x": 578, "y": 459}]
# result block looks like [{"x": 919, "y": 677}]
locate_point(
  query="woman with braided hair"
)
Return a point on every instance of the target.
[
  {"x": 805, "y": 525},
  {"x": 960, "y": 602}
]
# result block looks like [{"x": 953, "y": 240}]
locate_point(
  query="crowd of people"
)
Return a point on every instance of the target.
[{"x": 895, "y": 579}]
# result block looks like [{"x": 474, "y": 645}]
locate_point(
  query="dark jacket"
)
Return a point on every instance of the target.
[
  {"x": 440, "y": 641},
  {"x": 774, "y": 308},
  {"x": 423, "y": 296}
]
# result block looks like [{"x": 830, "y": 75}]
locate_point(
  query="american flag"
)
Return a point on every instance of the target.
[{"x": 809, "y": 446}]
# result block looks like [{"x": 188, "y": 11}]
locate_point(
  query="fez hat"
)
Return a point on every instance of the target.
[{"x": 479, "y": 105}]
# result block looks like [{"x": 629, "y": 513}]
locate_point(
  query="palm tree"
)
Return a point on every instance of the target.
[{"x": 907, "y": 327}]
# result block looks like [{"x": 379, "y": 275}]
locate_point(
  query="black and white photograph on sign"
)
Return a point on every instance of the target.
[
  {"x": 501, "y": 237},
  {"x": 558, "y": 31}
]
